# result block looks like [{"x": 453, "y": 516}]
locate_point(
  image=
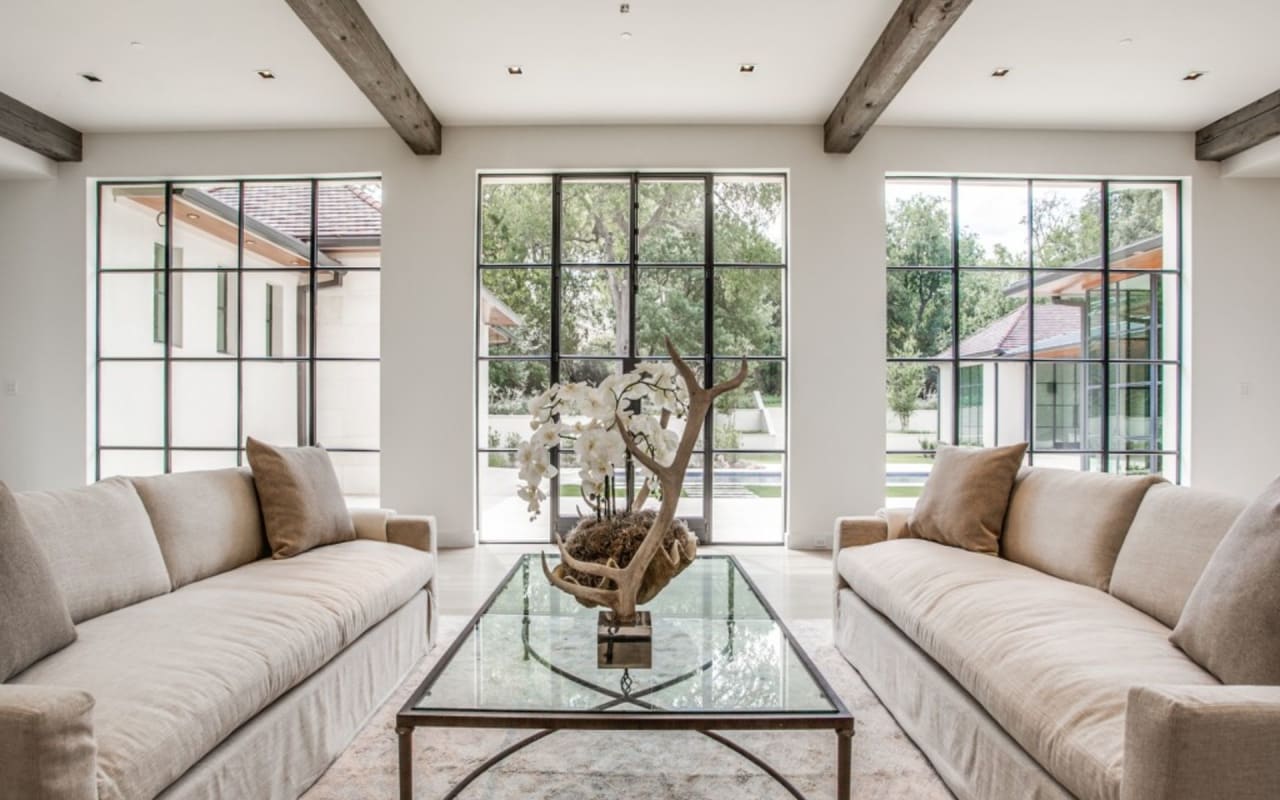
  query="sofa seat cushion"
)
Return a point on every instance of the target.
[
  {"x": 175, "y": 675},
  {"x": 1052, "y": 661}
]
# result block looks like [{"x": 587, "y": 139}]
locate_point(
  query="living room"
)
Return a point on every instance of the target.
[{"x": 979, "y": 236}]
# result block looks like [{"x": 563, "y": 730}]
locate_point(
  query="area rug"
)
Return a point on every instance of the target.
[{"x": 587, "y": 765}]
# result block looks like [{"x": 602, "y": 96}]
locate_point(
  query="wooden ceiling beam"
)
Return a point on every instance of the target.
[
  {"x": 40, "y": 132},
  {"x": 1240, "y": 130},
  {"x": 346, "y": 32},
  {"x": 913, "y": 31}
]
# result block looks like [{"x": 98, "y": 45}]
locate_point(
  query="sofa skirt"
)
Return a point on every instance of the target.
[
  {"x": 969, "y": 750},
  {"x": 283, "y": 750}
]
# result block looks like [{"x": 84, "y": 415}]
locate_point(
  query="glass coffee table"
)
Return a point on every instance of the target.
[{"x": 721, "y": 661}]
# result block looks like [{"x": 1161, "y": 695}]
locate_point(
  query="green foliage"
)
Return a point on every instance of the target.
[{"x": 906, "y": 383}]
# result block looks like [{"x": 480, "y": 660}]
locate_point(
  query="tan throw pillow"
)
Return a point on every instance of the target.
[
  {"x": 35, "y": 621},
  {"x": 1231, "y": 623},
  {"x": 302, "y": 504},
  {"x": 966, "y": 495}
]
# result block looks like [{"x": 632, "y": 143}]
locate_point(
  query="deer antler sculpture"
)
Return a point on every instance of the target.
[{"x": 626, "y": 581}]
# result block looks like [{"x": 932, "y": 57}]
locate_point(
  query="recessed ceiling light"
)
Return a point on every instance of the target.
[
  {"x": 90, "y": 77},
  {"x": 1194, "y": 75},
  {"x": 999, "y": 72},
  {"x": 625, "y": 35},
  {"x": 192, "y": 216},
  {"x": 266, "y": 74},
  {"x": 1127, "y": 40},
  {"x": 625, "y": 8},
  {"x": 136, "y": 45},
  {"x": 746, "y": 68},
  {"x": 515, "y": 69}
]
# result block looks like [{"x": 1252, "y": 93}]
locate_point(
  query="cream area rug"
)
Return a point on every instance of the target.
[{"x": 604, "y": 765}]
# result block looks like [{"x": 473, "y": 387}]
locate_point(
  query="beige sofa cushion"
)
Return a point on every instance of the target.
[
  {"x": 1168, "y": 544},
  {"x": 1051, "y": 661},
  {"x": 1071, "y": 524},
  {"x": 206, "y": 522},
  {"x": 964, "y": 500},
  {"x": 100, "y": 545},
  {"x": 34, "y": 620},
  {"x": 175, "y": 675},
  {"x": 1231, "y": 623},
  {"x": 302, "y": 503}
]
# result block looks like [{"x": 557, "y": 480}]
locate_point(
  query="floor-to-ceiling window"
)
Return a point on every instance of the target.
[
  {"x": 1036, "y": 310},
  {"x": 580, "y": 276},
  {"x": 229, "y": 309}
]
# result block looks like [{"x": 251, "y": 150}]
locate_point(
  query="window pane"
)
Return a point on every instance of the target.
[
  {"x": 917, "y": 223},
  {"x": 748, "y": 312},
  {"x": 515, "y": 221},
  {"x": 588, "y": 370},
  {"x": 131, "y": 234},
  {"x": 203, "y": 306},
  {"x": 131, "y": 403},
  {"x": 1165, "y": 464},
  {"x": 196, "y": 460},
  {"x": 1067, "y": 407},
  {"x": 747, "y": 501},
  {"x": 275, "y": 402},
  {"x": 993, "y": 223},
  {"x": 130, "y": 462},
  {"x": 360, "y": 476},
  {"x": 672, "y": 222},
  {"x": 276, "y": 310},
  {"x": 750, "y": 215},
  {"x": 206, "y": 220},
  {"x": 131, "y": 322},
  {"x": 348, "y": 314},
  {"x": 919, "y": 313},
  {"x": 670, "y": 302},
  {"x": 1067, "y": 225},
  {"x": 204, "y": 404},
  {"x": 1067, "y": 317},
  {"x": 1140, "y": 213},
  {"x": 1144, "y": 407},
  {"x": 277, "y": 219},
  {"x": 347, "y": 404},
  {"x": 504, "y": 517},
  {"x": 506, "y": 387},
  {"x": 594, "y": 311},
  {"x": 993, "y": 314},
  {"x": 595, "y": 221},
  {"x": 349, "y": 222},
  {"x": 914, "y": 418},
  {"x": 515, "y": 312},
  {"x": 1144, "y": 316},
  {"x": 751, "y": 417}
]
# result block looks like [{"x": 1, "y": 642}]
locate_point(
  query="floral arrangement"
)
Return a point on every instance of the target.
[{"x": 644, "y": 399}]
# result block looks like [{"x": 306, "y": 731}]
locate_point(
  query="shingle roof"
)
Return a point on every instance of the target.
[
  {"x": 345, "y": 210},
  {"x": 1010, "y": 334}
]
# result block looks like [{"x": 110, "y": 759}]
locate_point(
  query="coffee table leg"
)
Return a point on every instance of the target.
[
  {"x": 406, "y": 762},
  {"x": 844, "y": 755}
]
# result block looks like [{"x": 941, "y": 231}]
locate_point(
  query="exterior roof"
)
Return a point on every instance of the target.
[
  {"x": 1010, "y": 335},
  {"x": 346, "y": 211}
]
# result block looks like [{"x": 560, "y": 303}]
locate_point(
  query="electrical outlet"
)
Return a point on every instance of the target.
[{"x": 11, "y": 387}]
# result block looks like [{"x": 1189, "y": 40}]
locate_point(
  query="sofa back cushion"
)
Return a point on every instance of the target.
[
  {"x": 206, "y": 522},
  {"x": 1071, "y": 524},
  {"x": 100, "y": 545},
  {"x": 1168, "y": 545}
]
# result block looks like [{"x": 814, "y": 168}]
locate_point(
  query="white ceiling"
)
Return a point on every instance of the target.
[{"x": 195, "y": 68}]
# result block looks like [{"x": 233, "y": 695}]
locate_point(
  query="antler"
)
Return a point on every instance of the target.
[{"x": 626, "y": 580}]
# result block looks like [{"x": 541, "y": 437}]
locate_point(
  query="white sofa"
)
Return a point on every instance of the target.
[
  {"x": 1047, "y": 672},
  {"x": 203, "y": 668}
]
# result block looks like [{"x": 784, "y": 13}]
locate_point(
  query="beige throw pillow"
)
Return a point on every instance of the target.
[
  {"x": 302, "y": 504},
  {"x": 965, "y": 498},
  {"x": 1231, "y": 622},
  {"x": 34, "y": 620}
]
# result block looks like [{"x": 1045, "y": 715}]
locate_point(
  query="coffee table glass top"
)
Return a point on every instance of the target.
[{"x": 717, "y": 648}]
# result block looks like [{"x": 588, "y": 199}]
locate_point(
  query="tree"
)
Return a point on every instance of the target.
[{"x": 906, "y": 384}]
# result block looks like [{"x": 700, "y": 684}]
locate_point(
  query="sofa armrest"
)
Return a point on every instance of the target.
[
  {"x": 1184, "y": 742},
  {"x": 885, "y": 524},
  {"x": 47, "y": 749},
  {"x": 418, "y": 532},
  {"x": 371, "y": 523}
]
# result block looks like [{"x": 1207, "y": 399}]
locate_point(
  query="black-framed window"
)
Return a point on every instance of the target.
[
  {"x": 1038, "y": 310},
  {"x": 188, "y": 275},
  {"x": 583, "y": 275}
]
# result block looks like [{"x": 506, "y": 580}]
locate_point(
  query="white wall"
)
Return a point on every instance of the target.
[{"x": 836, "y": 290}]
